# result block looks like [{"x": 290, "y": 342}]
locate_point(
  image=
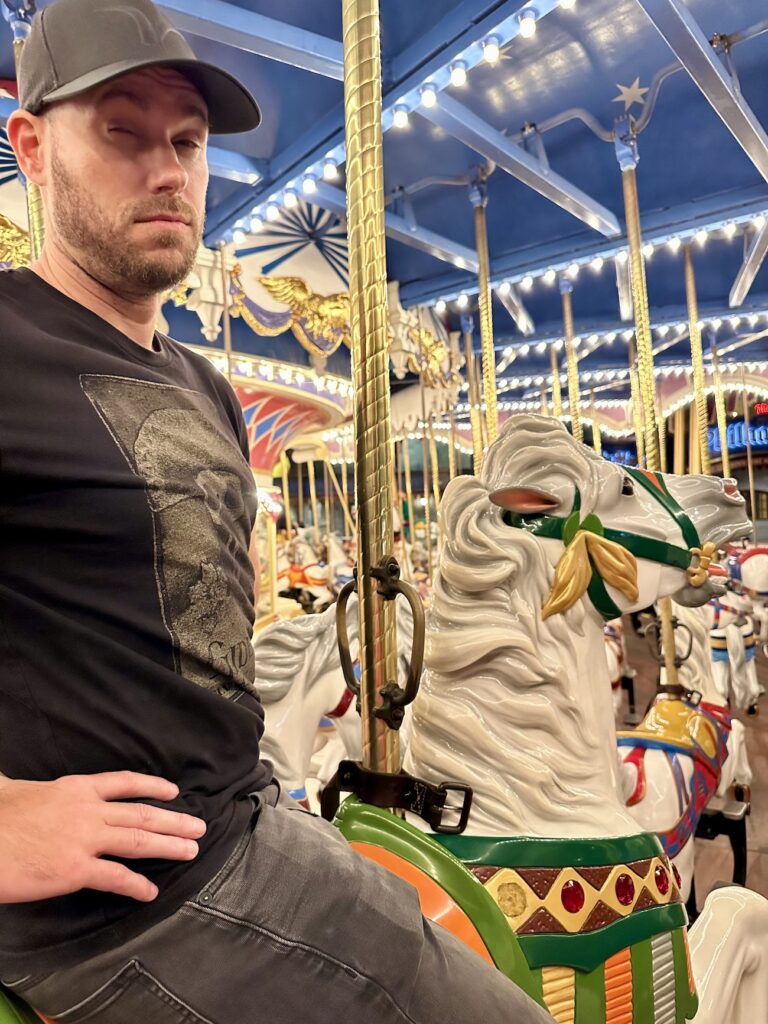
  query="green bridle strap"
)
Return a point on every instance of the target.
[
  {"x": 655, "y": 484},
  {"x": 556, "y": 528}
]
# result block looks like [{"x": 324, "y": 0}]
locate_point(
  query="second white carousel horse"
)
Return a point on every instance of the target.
[
  {"x": 683, "y": 753},
  {"x": 733, "y": 645},
  {"x": 616, "y": 658},
  {"x": 299, "y": 679},
  {"x": 751, "y": 567},
  {"x": 548, "y": 543}
]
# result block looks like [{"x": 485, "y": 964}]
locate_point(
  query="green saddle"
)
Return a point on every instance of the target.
[{"x": 14, "y": 1011}]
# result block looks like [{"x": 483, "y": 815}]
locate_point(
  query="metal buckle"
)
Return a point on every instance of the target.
[{"x": 466, "y": 805}]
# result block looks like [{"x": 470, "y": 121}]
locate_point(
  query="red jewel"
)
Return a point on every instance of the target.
[
  {"x": 572, "y": 895},
  {"x": 662, "y": 880},
  {"x": 625, "y": 890},
  {"x": 678, "y": 879}
]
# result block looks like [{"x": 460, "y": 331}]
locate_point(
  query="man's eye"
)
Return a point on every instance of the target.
[
  {"x": 188, "y": 143},
  {"x": 121, "y": 131}
]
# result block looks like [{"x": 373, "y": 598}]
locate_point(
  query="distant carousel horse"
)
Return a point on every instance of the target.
[
  {"x": 733, "y": 646},
  {"x": 301, "y": 574},
  {"x": 684, "y": 752},
  {"x": 584, "y": 912},
  {"x": 300, "y": 682}
]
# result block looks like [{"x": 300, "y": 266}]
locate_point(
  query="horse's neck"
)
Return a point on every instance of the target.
[
  {"x": 291, "y": 723},
  {"x": 528, "y": 723}
]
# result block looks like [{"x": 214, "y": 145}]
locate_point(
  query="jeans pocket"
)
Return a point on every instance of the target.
[{"x": 130, "y": 996}]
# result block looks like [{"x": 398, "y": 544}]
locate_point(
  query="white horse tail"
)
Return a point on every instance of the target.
[{"x": 736, "y": 767}]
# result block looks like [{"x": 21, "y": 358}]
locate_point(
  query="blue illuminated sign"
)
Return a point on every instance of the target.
[{"x": 736, "y": 435}]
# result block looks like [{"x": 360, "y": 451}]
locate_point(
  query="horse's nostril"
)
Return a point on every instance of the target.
[{"x": 730, "y": 489}]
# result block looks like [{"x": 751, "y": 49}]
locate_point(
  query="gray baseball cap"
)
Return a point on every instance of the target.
[{"x": 74, "y": 45}]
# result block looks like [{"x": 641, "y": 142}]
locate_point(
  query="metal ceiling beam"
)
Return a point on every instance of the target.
[
  {"x": 514, "y": 305},
  {"x": 657, "y": 226},
  {"x": 753, "y": 259},
  {"x": 685, "y": 38},
  {"x": 398, "y": 229},
  {"x": 463, "y": 124},
  {"x": 245, "y": 30}
]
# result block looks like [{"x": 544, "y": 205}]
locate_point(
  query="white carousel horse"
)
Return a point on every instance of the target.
[
  {"x": 733, "y": 646},
  {"x": 300, "y": 681},
  {"x": 751, "y": 567},
  {"x": 668, "y": 780},
  {"x": 299, "y": 570},
  {"x": 513, "y": 703}
]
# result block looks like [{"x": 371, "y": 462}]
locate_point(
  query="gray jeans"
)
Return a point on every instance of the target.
[{"x": 296, "y": 928}]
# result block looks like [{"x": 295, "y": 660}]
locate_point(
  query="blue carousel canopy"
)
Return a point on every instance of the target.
[{"x": 532, "y": 95}]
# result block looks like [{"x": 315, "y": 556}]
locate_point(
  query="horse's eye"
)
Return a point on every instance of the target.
[{"x": 627, "y": 487}]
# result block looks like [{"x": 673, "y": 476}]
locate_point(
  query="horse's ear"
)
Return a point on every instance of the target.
[{"x": 524, "y": 500}]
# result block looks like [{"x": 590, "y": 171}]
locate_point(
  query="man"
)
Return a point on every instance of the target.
[{"x": 126, "y": 605}]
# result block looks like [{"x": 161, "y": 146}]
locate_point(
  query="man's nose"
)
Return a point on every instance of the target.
[{"x": 167, "y": 173}]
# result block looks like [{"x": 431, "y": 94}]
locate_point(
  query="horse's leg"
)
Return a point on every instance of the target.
[{"x": 729, "y": 957}]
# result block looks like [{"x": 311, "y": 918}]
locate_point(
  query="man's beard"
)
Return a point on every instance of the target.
[{"x": 102, "y": 246}]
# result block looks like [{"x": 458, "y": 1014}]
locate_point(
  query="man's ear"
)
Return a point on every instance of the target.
[
  {"x": 524, "y": 500},
  {"x": 25, "y": 134}
]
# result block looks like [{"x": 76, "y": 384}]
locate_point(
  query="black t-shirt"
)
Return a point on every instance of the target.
[{"x": 126, "y": 507}]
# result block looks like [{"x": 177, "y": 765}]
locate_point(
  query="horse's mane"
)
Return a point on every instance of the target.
[
  {"x": 695, "y": 672},
  {"x": 282, "y": 648},
  {"x": 500, "y": 703}
]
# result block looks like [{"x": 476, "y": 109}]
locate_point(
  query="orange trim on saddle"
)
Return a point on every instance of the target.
[
  {"x": 436, "y": 904},
  {"x": 636, "y": 757}
]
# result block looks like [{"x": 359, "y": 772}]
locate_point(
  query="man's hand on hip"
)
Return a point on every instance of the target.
[{"x": 53, "y": 835}]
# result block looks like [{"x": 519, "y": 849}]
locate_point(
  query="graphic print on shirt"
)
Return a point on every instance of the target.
[{"x": 202, "y": 497}]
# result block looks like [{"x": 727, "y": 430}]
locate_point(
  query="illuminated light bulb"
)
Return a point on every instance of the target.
[
  {"x": 459, "y": 262},
  {"x": 291, "y": 198},
  {"x": 730, "y": 229},
  {"x": 759, "y": 221},
  {"x": 717, "y": 324},
  {"x": 238, "y": 235},
  {"x": 735, "y": 321},
  {"x": 273, "y": 211},
  {"x": 527, "y": 283},
  {"x": 440, "y": 306},
  {"x": 309, "y": 184},
  {"x": 549, "y": 277},
  {"x": 573, "y": 270},
  {"x": 256, "y": 224},
  {"x": 504, "y": 288},
  {"x": 664, "y": 330},
  {"x": 627, "y": 335},
  {"x": 622, "y": 257},
  {"x": 541, "y": 348},
  {"x": 567, "y": 5},
  {"x": 593, "y": 339},
  {"x": 597, "y": 264},
  {"x": 681, "y": 328},
  {"x": 458, "y": 74},
  {"x": 577, "y": 341},
  {"x": 524, "y": 349},
  {"x": 428, "y": 95},
  {"x": 610, "y": 337},
  {"x": 648, "y": 250},
  {"x": 701, "y": 236},
  {"x": 674, "y": 244},
  {"x": 330, "y": 169},
  {"x": 527, "y": 22},
  {"x": 752, "y": 318},
  {"x": 463, "y": 301},
  {"x": 491, "y": 50},
  {"x": 400, "y": 116}
]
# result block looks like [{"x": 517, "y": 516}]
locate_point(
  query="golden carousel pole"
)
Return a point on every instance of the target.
[
  {"x": 452, "y": 446},
  {"x": 313, "y": 503},
  {"x": 566, "y": 289},
  {"x": 637, "y": 403},
  {"x": 697, "y": 361},
  {"x": 340, "y": 496},
  {"x": 750, "y": 460},
  {"x": 425, "y": 482},
  {"x": 328, "y": 512},
  {"x": 478, "y": 195},
  {"x": 722, "y": 419},
  {"x": 19, "y": 14},
  {"x": 543, "y": 400},
  {"x": 679, "y": 456},
  {"x": 370, "y": 365},
  {"x": 626, "y": 151},
  {"x": 557, "y": 394},
  {"x": 300, "y": 491},
  {"x": 597, "y": 441},
  {"x": 473, "y": 396},
  {"x": 285, "y": 465}
]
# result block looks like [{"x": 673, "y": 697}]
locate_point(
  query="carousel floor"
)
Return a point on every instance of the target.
[{"x": 713, "y": 857}]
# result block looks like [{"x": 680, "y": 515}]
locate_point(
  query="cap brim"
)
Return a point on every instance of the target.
[{"x": 231, "y": 108}]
